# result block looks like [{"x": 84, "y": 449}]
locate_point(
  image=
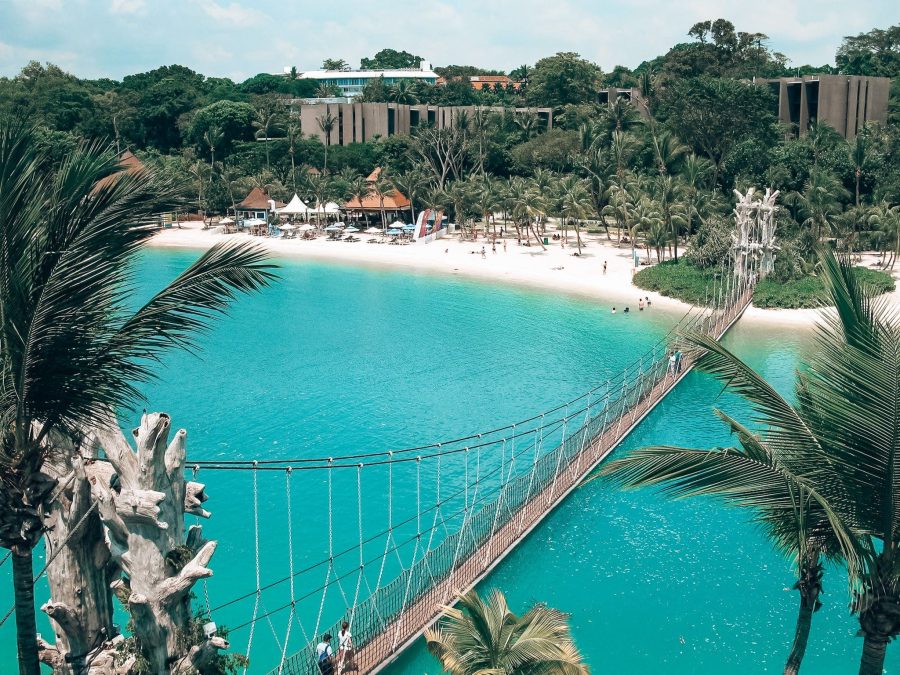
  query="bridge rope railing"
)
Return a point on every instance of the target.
[
  {"x": 384, "y": 617},
  {"x": 501, "y": 483}
]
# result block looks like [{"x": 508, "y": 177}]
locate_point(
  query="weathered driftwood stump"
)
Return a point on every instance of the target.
[
  {"x": 79, "y": 574},
  {"x": 143, "y": 498}
]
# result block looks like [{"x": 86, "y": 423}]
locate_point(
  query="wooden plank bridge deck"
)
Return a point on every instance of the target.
[{"x": 386, "y": 625}]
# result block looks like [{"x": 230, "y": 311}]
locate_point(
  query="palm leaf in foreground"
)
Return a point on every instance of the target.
[
  {"x": 70, "y": 348},
  {"x": 485, "y": 637}
]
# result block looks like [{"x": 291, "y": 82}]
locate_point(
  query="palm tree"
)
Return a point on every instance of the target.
[
  {"x": 410, "y": 184},
  {"x": 529, "y": 204},
  {"x": 859, "y": 157},
  {"x": 72, "y": 351},
  {"x": 326, "y": 125},
  {"x": 527, "y": 121},
  {"x": 886, "y": 219},
  {"x": 383, "y": 187},
  {"x": 667, "y": 149},
  {"x": 695, "y": 171},
  {"x": 358, "y": 188},
  {"x": 486, "y": 199},
  {"x": 485, "y": 637},
  {"x": 402, "y": 93},
  {"x": 293, "y": 135},
  {"x": 265, "y": 119},
  {"x": 823, "y": 467},
  {"x": 459, "y": 195},
  {"x": 819, "y": 203},
  {"x": 575, "y": 202},
  {"x": 667, "y": 190}
]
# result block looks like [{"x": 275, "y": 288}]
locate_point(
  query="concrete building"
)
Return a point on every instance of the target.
[
  {"x": 362, "y": 122},
  {"x": 843, "y": 102},
  {"x": 351, "y": 82}
]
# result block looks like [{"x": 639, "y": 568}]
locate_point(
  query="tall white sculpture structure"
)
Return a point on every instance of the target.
[{"x": 754, "y": 236}]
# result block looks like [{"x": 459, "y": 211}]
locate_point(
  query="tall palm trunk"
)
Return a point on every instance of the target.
[
  {"x": 801, "y": 636},
  {"x": 809, "y": 584},
  {"x": 26, "y": 627},
  {"x": 578, "y": 236},
  {"x": 874, "y": 650}
]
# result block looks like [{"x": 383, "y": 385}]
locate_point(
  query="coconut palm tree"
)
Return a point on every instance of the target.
[
  {"x": 835, "y": 450},
  {"x": 326, "y": 124},
  {"x": 72, "y": 349},
  {"x": 458, "y": 193},
  {"x": 293, "y": 135},
  {"x": 859, "y": 157},
  {"x": 819, "y": 203},
  {"x": 529, "y": 205},
  {"x": 480, "y": 637},
  {"x": 575, "y": 202},
  {"x": 695, "y": 172},
  {"x": 357, "y": 188},
  {"x": 486, "y": 198},
  {"x": 402, "y": 93},
  {"x": 411, "y": 184},
  {"x": 266, "y": 115},
  {"x": 885, "y": 219},
  {"x": 383, "y": 187}
]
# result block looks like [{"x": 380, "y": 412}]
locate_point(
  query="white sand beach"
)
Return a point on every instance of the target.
[{"x": 553, "y": 269}]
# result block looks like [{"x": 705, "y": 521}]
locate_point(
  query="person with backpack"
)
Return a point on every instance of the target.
[
  {"x": 325, "y": 655},
  {"x": 345, "y": 649}
]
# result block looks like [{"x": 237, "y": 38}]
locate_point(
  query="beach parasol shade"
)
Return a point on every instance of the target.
[
  {"x": 295, "y": 207},
  {"x": 287, "y": 227},
  {"x": 306, "y": 227},
  {"x": 374, "y": 230},
  {"x": 395, "y": 231},
  {"x": 226, "y": 221}
]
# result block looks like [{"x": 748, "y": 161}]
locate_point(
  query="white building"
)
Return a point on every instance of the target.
[{"x": 351, "y": 82}]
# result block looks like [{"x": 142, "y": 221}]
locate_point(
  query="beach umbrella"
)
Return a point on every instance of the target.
[
  {"x": 226, "y": 221},
  {"x": 352, "y": 229},
  {"x": 409, "y": 228},
  {"x": 287, "y": 227},
  {"x": 395, "y": 231},
  {"x": 397, "y": 223},
  {"x": 334, "y": 228},
  {"x": 374, "y": 230},
  {"x": 306, "y": 227}
]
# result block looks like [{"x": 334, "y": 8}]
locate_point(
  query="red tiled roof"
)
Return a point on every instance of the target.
[
  {"x": 258, "y": 199},
  {"x": 394, "y": 200},
  {"x": 128, "y": 163}
]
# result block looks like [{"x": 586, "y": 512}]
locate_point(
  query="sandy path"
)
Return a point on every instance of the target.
[{"x": 554, "y": 269}]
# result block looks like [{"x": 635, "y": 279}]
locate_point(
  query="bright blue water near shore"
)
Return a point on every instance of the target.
[{"x": 338, "y": 360}]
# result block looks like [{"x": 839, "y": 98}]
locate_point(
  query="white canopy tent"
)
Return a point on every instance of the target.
[
  {"x": 330, "y": 209},
  {"x": 295, "y": 207}
]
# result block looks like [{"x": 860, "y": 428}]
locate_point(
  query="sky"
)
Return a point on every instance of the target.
[{"x": 240, "y": 38}]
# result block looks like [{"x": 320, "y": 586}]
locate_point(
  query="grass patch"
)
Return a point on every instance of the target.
[
  {"x": 691, "y": 284},
  {"x": 679, "y": 280}
]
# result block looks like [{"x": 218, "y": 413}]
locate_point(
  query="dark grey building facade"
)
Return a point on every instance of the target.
[{"x": 843, "y": 102}]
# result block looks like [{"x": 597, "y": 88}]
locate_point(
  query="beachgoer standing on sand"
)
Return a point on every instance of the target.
[
  {"x": 493, "y": 247},
  {"x": 324, "y": 655},
  {"x": 483, "y": 254},
  {"x": 504, "y": 245},
  {"x": 604, "y": 268}
]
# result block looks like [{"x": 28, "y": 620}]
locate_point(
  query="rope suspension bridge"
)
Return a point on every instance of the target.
[{"x": 429, "y": 522}]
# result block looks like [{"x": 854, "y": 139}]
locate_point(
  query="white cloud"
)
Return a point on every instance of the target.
[
  {"x": 127, "y": 6},
  {"x": 235, "y": 14}
]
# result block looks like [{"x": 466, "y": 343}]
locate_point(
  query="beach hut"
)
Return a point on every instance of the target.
[
  {"x": 257, "y": 205},
  {"x": 392, "y": 203}
]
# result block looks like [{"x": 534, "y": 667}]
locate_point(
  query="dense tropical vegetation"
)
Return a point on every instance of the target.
[
  {"x": 819, "y": 473},
  {"x": 655, "y": 173}
]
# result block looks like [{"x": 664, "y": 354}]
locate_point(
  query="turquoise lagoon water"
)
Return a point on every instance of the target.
[{"x": 338, "y": 360}]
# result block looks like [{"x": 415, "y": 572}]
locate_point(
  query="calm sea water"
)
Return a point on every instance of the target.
[{"x": 338, "y": 360}]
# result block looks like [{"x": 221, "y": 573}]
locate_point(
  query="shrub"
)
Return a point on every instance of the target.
[
  {"x": 681, "y": 280},
  {"x": 809, "y": 292}
]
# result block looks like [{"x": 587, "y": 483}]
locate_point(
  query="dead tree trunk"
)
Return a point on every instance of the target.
[
  {"x": 142, "y": 499},
  {"x": 79, "y": 574}
]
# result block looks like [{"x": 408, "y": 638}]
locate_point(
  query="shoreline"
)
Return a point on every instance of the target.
[{"x": 555, "y": 269}]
